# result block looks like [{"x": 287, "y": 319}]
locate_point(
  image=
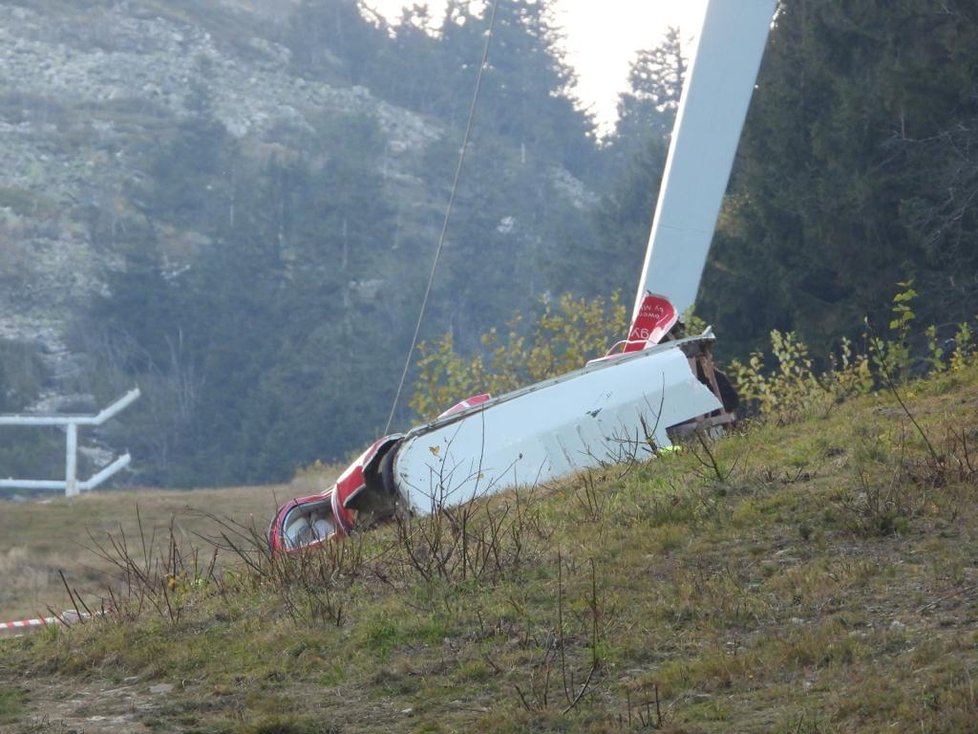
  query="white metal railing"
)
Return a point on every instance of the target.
[{"x": 70, "y": 483}]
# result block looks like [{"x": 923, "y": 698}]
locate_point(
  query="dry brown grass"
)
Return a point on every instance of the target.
[
  {"x": 41, "y": 537},
  {"x": 784, "y": 590}
]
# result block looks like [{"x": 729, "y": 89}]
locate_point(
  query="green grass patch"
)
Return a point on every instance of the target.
[
  {"x": 12, "y": 703},
  {"x": 756, "y": 598}
]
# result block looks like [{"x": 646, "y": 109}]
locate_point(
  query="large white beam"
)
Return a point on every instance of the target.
[
  {"x": 711, "y": 115},
  {"x": 121, "y": 463},
  {"x": 70, "y": 485},
  {"x": 78, "y": 420}
]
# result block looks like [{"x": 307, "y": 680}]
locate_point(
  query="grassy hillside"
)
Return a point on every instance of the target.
[
  {"x": 40, "y": 538},
  {"x": 812, "y": 576}
]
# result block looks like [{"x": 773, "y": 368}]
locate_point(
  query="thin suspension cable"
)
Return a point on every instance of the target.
[{"x": 448, "y": 213}]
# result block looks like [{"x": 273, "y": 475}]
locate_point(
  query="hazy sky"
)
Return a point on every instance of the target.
[{"x": 602, "y": 37}]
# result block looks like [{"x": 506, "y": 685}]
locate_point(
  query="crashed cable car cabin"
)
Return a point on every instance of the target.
[
  {"x": 655, "y": 384},
  {"x": 620, "y": 407}
]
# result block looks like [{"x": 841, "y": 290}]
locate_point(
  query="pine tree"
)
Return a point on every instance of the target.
[
  {"x": 647, "y": 109},
  {"x": 850, "y": 177}
]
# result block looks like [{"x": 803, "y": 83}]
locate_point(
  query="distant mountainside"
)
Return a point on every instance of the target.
[
  {"x": 150, "y": 147},
  {"x": 88, "y": 88},
  {"x": 235, "y": 204}
]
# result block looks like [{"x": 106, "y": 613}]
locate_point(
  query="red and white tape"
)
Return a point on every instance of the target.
[{"x": 20, "y": 624}]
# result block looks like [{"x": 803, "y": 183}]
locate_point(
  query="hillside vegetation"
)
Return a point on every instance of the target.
[
  {"x": 44, "y": 537},
  {"x": 811, "y": 574},
  {"x": 235, "y": 205}
]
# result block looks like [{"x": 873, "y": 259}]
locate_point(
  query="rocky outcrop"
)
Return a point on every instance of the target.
[{"x": 87, "y": 84}]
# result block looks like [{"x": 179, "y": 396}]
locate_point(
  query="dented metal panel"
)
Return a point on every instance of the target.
[{"x": 608, "y": 412}]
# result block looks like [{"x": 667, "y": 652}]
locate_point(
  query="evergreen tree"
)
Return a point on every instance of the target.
[
  {"x": 187, "y": 183},
  {"x": 527, "y": 93},
  {"x": 336, "y": 40},
  {"x": 851, "y": 147},
  {"x": 647, "y": 109},
  {"x": 623, "y": 222},
  {"x": 260, "y": 343},
  {"x": 634, "y": 158},
  {"x": 412, "y": 69}
]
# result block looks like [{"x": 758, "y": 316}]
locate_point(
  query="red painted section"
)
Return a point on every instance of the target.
[
  {"x": 655, "y": 317},
  {"x": 19, "y": 625},
  {"x": 307, "y": 522},
  {"x": 467, "y": 403}
]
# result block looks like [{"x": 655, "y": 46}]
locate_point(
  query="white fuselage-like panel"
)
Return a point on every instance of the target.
[{"x": 607, "y": 413}]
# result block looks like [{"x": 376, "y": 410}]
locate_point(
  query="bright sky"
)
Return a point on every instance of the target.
[{"x": 602, "y": 37}]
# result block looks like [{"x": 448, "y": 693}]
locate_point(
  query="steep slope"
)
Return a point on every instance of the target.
[{"x": 807, "y": 577}]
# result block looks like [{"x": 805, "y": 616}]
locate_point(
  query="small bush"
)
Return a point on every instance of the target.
[
  {"x": 792, "y": 389},
  {"x": 565, "y": 337}
]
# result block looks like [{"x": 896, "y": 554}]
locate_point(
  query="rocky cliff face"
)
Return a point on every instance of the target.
[{"x": 87, "y": 84}]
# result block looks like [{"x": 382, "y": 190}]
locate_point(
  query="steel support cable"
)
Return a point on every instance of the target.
[{"x": 448, "y": 213}]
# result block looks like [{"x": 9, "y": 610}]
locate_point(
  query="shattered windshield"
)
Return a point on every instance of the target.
[{"x": 304, "y": 524}]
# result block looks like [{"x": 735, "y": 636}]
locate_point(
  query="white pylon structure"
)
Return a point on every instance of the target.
[
  {"x": 70, "y": 483},
  {"x": 709, "y": 121}
]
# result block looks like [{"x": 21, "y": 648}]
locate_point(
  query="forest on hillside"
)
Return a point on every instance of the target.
[{"x": 283, "y": 342}]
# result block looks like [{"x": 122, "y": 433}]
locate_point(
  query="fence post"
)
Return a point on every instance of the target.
[{"x": 71, "y": 460}]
